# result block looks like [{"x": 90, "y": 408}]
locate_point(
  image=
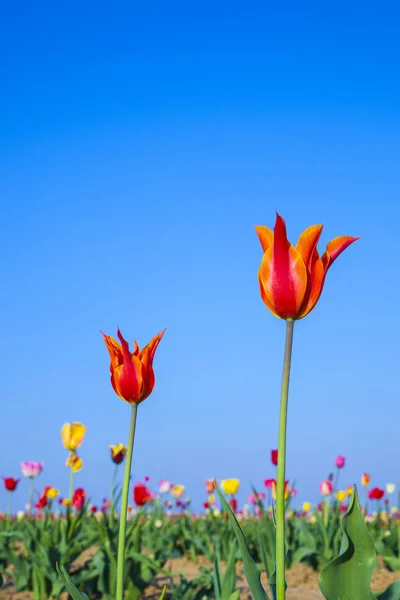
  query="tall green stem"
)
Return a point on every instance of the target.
[
  {"x": 9, "y": 504},
  {"x": 112, "y": 507},
  {"x": 124, "y": 507},
  {"x": 71, "y": 488},
  {"x": 31, "y": 486},
  {"x": 113, "y": 487},
  {"x": 280, "y": 485}
]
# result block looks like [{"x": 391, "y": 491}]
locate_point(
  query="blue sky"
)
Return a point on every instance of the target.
[{"x": 139, "y": 146}]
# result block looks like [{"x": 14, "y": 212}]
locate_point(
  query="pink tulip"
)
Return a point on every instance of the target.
[
  {"x": 325, "y": 488},
  {"x": 340, "y": 461},
  {"x": 31, "y": 468}
]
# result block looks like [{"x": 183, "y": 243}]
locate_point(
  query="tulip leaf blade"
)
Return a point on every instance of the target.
[
  {"x": 69, "y": 584},
  {"x": 348, "y": 576},
  {"x": 251, "y": 570}
]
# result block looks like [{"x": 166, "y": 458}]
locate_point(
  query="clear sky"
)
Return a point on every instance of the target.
[{"x": 139, "y": 145}]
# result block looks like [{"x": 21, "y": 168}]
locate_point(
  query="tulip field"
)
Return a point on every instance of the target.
[
  {"x": 162, "y": 529},
  {"x": 130, "y": 545}
]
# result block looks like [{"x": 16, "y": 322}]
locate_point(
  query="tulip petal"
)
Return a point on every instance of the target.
[
  {"x": 336, "y": 247},
  {"x": 65, "y": 435},
  {"x": 265, "y": 236},
  {"x": 77, "y": 434},
  {"x": 308, "y": 241},
  {"x": 316, "y": 283},
  {"x": 127, "y": 380},
  {"x": 147, "y": 357},
  {"x": 114, "y": 350}
]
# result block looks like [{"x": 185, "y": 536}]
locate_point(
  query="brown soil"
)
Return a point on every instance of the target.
[{"x": 302, "y": 582}]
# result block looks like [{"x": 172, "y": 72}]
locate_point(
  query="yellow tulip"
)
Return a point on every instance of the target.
[
  {"x": 349, "y": 490},
  {"x": 72, "y": 435},
  {"x": 65, "y": 502},
  {"x": 52, "y": 493},
  {"x": 177, "y": 491},
  {"x": 74, "y": 461},
  {"x": 230, "y": 486},
  {"x": 341, "y": 496},
  {"x": 306, "y": 506},
  {"x": 211, "y": 498}
]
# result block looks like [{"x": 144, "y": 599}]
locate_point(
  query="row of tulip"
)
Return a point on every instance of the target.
[
  {"x": 155, "y": 536},
  {"x": 72, "y": 438}
]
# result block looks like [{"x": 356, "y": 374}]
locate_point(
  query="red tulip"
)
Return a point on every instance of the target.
[
  {"x": 268, "y": 483},
  {"x": 132, "y": 375},
  {"x": 10, "y": 483},
  {"x": 206, "y": 505},
  {"x": 141, "y": 494},
  {"x": 274, "y": 457},
  {"x": 78, "y": 498},
  {"x": 233, "y": 504},
  {"x": 291, "y": 278},
  {"x": 376, "y": 493}
]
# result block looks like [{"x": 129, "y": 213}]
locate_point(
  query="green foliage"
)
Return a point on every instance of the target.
[{"x": 348, "y": 576}]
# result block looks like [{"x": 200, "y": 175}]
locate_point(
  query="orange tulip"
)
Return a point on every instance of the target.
[
  {"x": 365, "y": 479},
  {"x": 132, "y": 375},
  {"x": 286, "y": 490},
  {"x": 292, "y": 277}
]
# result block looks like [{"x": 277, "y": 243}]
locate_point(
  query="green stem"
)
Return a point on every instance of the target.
[
  {"x": 124, "y": 507},
  {"x": 71, "y": 491},
  {"x": 280, "y": 484},
  {"x": 326, "y": 512},
  {"x": 31, "y": 486},
  {"x": 113, "y": 487},
  {"x": 9, "y": 504},
  {"x": 112, "y": 509}
]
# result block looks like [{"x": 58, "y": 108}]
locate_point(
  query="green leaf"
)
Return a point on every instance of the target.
[
  {"x": 393, "y": 562},
  {"x": 348, "y": 576},
  {"x": 235, "y": 595},
  {"x": 250, "y": 568},
  {"x": 163, "y": 593},
  {"x": 1, "y": 581},
  {"x": 391, "y": 593},
  {"x": 71, "y": 587},
  {"x": 229, "y": 579},
  {"x": 299, "y": 554}
]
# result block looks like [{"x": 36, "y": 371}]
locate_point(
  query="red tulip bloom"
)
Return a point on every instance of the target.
[
  {"x": 268, "y": 483},
  {"x": 206, "y": 505},
  {"x": 93, "y": 508},
  {"x": 376, "y": 493},
  {"x": 10, "y": 483},
  {"x": 78, "y": 498},
  {"x": 291, "y": 278},
  {"x": 274, "y": 457},
  {"x": 233, "y": 504},
  {"x": 132, "y": 375},
  {"x": 141, "y": 494}
]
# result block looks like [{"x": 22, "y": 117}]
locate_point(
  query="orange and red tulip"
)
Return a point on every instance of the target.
[
  {"x": 286, "y": 489},
  {"x": 292, "y": 278},
  {"x": 132, "y": 375}
]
